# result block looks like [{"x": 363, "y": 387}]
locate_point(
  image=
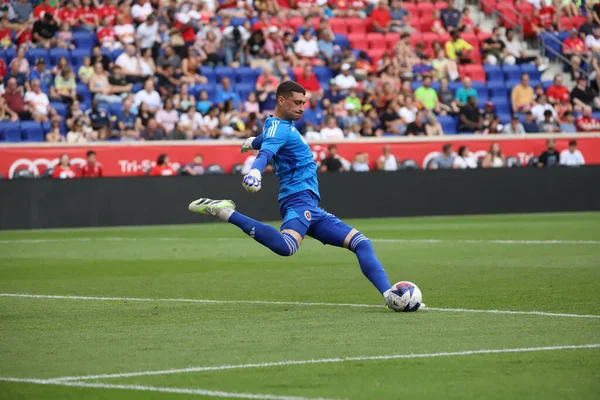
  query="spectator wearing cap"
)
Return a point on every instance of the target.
[
  {"x": 548, "y": 124},
  {"x": 44, "y": 31},
  {"x": 550, "y": 157},
  {"x": 582, "y": 95},
  {"x": 587, "y": 122},
  {"x": 464, "y": 92},
  {"x": 470, "y": 119},
  {"x": 234, "y": 39},
  {"x": 568, "y": 123},
  {"x": 540, "y": 108},
  {"x": 427, "y": 96},
  {"x": 345, "y": 80},
  {"x": 522, "y": 95},
  {"x": 308, "y": 80},
  {"x": 41, "y": 73},
  {"x": 380, "y": 19},
  {"x": 444, "y": 160},
  {"x": 514, "y": 127},
  {"x": 227, "y": 93},
  {"x": 489, "y": 115},
  {"x": 571, "y": 157}
]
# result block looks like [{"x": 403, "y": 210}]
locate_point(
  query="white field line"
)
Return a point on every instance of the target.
[
  {"x": 140, "y": 388},
  {"x": 322, "y": 361},
  {"x": 408, "y": 241},
  {"x": 288, "y": 303}
]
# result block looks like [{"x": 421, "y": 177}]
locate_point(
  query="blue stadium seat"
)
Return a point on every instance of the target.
[
  {"x": 493, "y": 73},
  {"x": 548, "y": 43},
  {"x": 136, "y": 87},
  {"x": 453, "y": 86},
  {"x": 34, "y": 54},
  {"x": 238, "y": 21},
  {"x": 55, "y": 54},
  {"x": 60, "y": 108},
  {"x": 104, "y": 106},
  {"x": 116, "y": 53},
  {"x": 115, "y": 109},
  {"x": 341, "y": 40},
  {"x": 32, "y": 131},
  {"x": 511, "y": 84},
  {"x": 511, "y": 72},
  {"x": 482, "y": 90},
  {"x": 84, "y": 40},
  {"x": 225, "y": 72},
  {"x": 246, "y": 75},
  {"x": 546, "y": 84},
  {"x": 77, "y": 56},
  {"x": 532, "y": 70},
  {"x": 244, "y": 89},
  {"x": 10, "y": 131},
  {"x": 498, "y": 91},
  {"x": 504, "y": 117},
  {"x": 323, "y": 74},
  {"x": 209, "y": 73},
  {"x": 596, "y": 114},
  {"x": 448, "y": 124},
  {"x": 9, "y": 54},
  {"x": 84, "y": 91}
]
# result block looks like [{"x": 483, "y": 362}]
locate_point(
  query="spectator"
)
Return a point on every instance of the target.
[
  {"x": 149, "y": 96},
  {"x": 6, "y": 114},
  {"x": 568, "y": 123},
  {"x": 193, "y": 123},
  {"x": 540, "y": 108},
  {"x": 63, "y": 169},
  {"x": 522, "y": 95},
  {"x": 550, "y": 157},
  {"x": 587, "y": 28},
  {"x": 92, "y": 168},
  {"x": 308, "y": 80},
  {"x": 433, "y": 127},
  {"x": 464, "y": 159},
  {"x": 494, "y": 49},
  {"x": 331, "y": 131},
  {"x": 447, "y": 102},
  {"x": 444, "y": 160},
  {"x": 64, "y": 89},
  {"x": 99, "y": 57},
  {"x": 163, "y": 167},
  {"x": 141, "y": 10},
  {"x": 387, "y": 161},
  {"x": 408, "y": 112},
  {"x": 417, "y": 127},
  {"x": 370, "y": 129},
  {"x": 107, "y": 37},
  {"x": 15, "y": 101},
  {"x": 400, "y": 18},
  {"x": 54, "y": 135},
  {"x": 494, "y": 157},
  {"x": 179, "y": 132},
  {"x": 470, "y": 119},
  {"x": 361, "y": 162},
  {"x": 23, "y": 11},
  {"x": 333, "y": 162},
  {"x": 226, "y": 93},
  {"x": 450, "y": 17},
  {"x": 457, "y": 49},
  {"x": 77, "y": 135},
  {"x": 353, "y": 99},
  {"x": 391, "y": 121},
  {"x": 39, "y": 103},
  {"x": 167, "y": 117},
  {"x": 313, "y": 115},
  {"x": 100, "y": 86},
  {"x": 582, "y": 95},
  {"x": 41, "y": 73},
  {"x": 437, "y": 25},
  {"x": 427, "y": 96},
  {"x": 147, "y": 66},
  {"x": 546, "y": 18},
  {"x": 575, "y": 50},
  {"x": 345, "y": 80},
  {"x": 350, "y": 119},
  {"x": 44, "y": 31},
  {"x": 489, "y": 115},
  {"x": 152, "y": 131},
  {"x": 146, "y": 35},
  {"x": 380, "y": 19},
  {"x": 196, "y": 167},
  {"x": 87, "y": 17},
  {"x": 587, "y": 122},
  {"x": 99, "y": 118},
  {"x": 515, "y": 52},
  {"x": 211, "y": 120},
  {"x": 571, "y": 157},
  {"x": 234, "y": 39},
  {"x": 21, "y": 61},
  {"x": 19, "y": 77},
  {"x": 119, "y": 85},
  {"x": 548, "y": 124},
  {"x": 592, "y": 41},
  {"x": 530, "y": 124},
  {"x": 251, "y": 104},
  {"x": 514, "y": 127},
  {"x": 307, "y": 49},
  {"x": 126, "y": 122},
  {"x": 463, "y": 93}
]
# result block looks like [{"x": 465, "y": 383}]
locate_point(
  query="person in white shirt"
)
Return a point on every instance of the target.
[
  {"x": 125, "y": 32},
  {"x": 387, "y": 162},
  {"x": 129, "y": 62},
  {"x": 572, "y": 157},
  {"x": 408, "y": 112},
  {"x": 331, "y": 131},
  {"x": 38, "y": 102},
  {"x": 141, "y": 10},
  {"x": 194, "y": 122},
  {"x": 592, "y": 42},
  {"x": 464, "y": 159},
  {"x": 361, "y": 162},
  {"x": 147, "y": 33},
  {"x": 541, "y": 106},
  {"x": 149, "y": 96},
  {"x": 345, "y": 80},
  {"x": 307, "y": 46}
]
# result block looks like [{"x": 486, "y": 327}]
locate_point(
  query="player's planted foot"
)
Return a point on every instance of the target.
[{"x": 221, "y": 209}]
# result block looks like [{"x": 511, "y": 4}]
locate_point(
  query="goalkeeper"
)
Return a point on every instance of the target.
[{"x": 282, "y": 144}]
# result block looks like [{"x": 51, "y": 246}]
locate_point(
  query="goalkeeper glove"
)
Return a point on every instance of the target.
[
  {"x": 252, "y": 181},
  {"x": 247, "y": 145}
]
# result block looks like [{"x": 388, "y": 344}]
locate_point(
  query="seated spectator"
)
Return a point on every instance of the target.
[
  {"x": 494, "y": 49},
  {"x": 470, "y": 119},
  {"x": 540, "y": 108},
  {"x": 126, "y": 122},
  {"x": 463, "y": 93},
  {"x": 99, "y": 118},
  {"x": 99, "y": 57},
  {"x": 417, "y": 127},
  {"x": 489, "y": 115},
  {"x": 77, "y": 134},
  {"x": 427, "y": 96},
  {"x": 39, "y": 103},
  {"x": 167, "y": 117},
  {"x": 458, "y": 49},
  {"x": 44, "y": 31},
  {"x": 587, "y": 122},
  {"x": 141, "y": 10},
  {"x": 147, "y": 66},
  {"x": 251, "y": 104},
  {"x": 15, "y": 101},
  {"x": 193, "y": 122},
  {"x": 550, "y": 157},
  {"x": 313, "y": 115},
  {"x": 408, "y": 112},
  {"x": 582, "y": 95},
  {"x": 203, "y": 104},
  {"x": 530, "y": 124},
  {"x": 152, "y": 131},
  {"x": 400, "y": 18},
  {"x": 273, "y": 44},
  {"x": 544, "y": 19},
  {"x": 326, "y": 48},
  {"x": 391, "y": 121},
  {"x": 307, "y": 49},
  {"x": 387, "y": 161},
  {"x": 64, "y": 89},
  {"x": 568, "y": 123},
  {"x": 54, "y": 136},
  {"x": 41, "y": 73},
  {"x": 196, "y": 167},
  {"x": 571, "y": 157},
  {"x": 522, "y": 95},
  {"x": 360, "y": 162},
  {"x": 87, "y": 17},
  {"x": 19, "y": 77},
  {"x": 21, "y": 61},
  {"x": 100, "y": 86},
  {"x": 494, "y": 158},
  {"x": 163, "y": 167},
  {"x": 353, "y": 99},
  {"x": 447, "y": 102},
  {"x": 514, "y": 127},
  {"x": 345, "y": 80},
  {"x": 558, "y": 93},
  {"x": 351, "y": 118},
  {"x": 227, "y": 93},
  {"x": 451, "y": 17},
  {"x": 370, "y": 129},
  {"x": 464, "y": 159},
  {"x": 212, "y": 123},
  {"x": 179, "y": 132},
  {"x": 380, "y": 18},
  {"x": 333, "y": 161},
  {"x": 515, "y": 52},
  {"x": 548, "y": 124},
  {"x": 444, "y": 160},
  {"x": 24, "y": 34},
  {"x": 130, "y": 63},
  {"x": 331, "y": 131},
  {"x": 587, "y": 28},
  {"x": 23, "y": 11},
  {"x": 92, "y": 168},
  {"x": 437, "y": 25},
  {"x": 85, "y": 71},
  {"x": 149, "y": 96},
  {"x": 575, "y": 50},
  {"x": 64, "y": 170},
  {"x": 592, "y": 41},
  {"x": 266, "y": 81},
  {"x": 433, "y": 127},
  {"x": 107, "y": 37}
]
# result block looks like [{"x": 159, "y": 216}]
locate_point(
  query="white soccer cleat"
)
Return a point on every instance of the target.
[{"x": 221, "y": 209}]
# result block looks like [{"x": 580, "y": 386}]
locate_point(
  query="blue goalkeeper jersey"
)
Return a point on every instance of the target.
[{"x": 293, "y": 160}]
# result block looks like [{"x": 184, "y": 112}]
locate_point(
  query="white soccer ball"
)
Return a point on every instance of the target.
[{"x": 404, "y": 296}]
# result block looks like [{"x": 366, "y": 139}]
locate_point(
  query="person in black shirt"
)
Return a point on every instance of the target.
[
  {"x": 99, "y": 118},
  {"x": 44, "y": 30},
  {"x": 332, "y": 163},
  {"x": 417, "y": 127},
  {"x": 587, "y": 28},
  {"x": 550, "y": 157},
  {"x": 470, "y": 119},
  {"x": 494, "y": 48},
  {"x": 390, "y": 119},
  {"x": 255, "y": 46},
  {"x": 582, "y": 95},
  {"x": 119, "y": 84},
  {"x": 168, "y": 81},
  {"x": 98, "y": 57}
]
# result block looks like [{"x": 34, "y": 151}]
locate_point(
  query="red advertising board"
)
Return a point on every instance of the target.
[{"x": 121, "y": 159}]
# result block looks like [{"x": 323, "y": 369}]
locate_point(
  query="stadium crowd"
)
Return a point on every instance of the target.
[{"x": 79, "y": 71}]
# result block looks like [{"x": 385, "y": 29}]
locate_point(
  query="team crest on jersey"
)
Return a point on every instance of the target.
[{"x": 307, "y": 215}]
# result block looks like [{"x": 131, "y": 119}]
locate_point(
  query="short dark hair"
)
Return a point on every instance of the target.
[
  {"x": 447, "y": 147},
  {"x": 286, "y": 89},
  {"x": 573, "y": 142},
  {"x": 90, "y": 152},
  {"x": 161, "y": 159}
]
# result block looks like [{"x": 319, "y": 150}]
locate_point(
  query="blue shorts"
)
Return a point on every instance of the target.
[{"x": 301, "y": 213}]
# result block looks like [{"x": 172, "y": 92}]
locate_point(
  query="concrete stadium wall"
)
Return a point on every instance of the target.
[{"x": 31, "y": 204}]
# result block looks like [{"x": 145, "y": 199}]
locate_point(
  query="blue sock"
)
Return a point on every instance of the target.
[
  {"x": 280, "y": 243},
  {"x": 369, "y": 264}
]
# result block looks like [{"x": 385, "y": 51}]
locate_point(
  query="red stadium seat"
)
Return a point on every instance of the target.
[
  {"x": 565, "y": 23},
  {"x": 508, "y": 18},
  {"x": 298, "y": 71},
  {"x": 578, "y": 21},
  {"x": 425, "y": 8},
  {"x": 358, "y": 41},
  {"x": 426, "y": 23},
  {"x": 488, "y": 6},
  {"x": 391, "y": 39},
  {"x": 475, "y": 72},
  {"x": 441, "y": 5},
  {"x": 417, "y": 38},
  {"x": 338, "y": 25},
  {"x": 296, "y": 22},
  {"x": 482, "y": 36},
  {"x": 411, "y": 8},
  {"x": 375, "y": 36},
  {"x": 356, "y": 25},
  {"x": 415, "y": 23},
  {"x": 526, "y": 9},
  {"x": 375, "y": 55},
  {"x": 470, "y": 38}
]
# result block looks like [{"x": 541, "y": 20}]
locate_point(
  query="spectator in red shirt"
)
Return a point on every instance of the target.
[
  {"x": 380, "y": 18},
  {"x": 586, "y": 122},
  {"x": 92, "y": 169},
  {"x": 162, "y": 167},
  {"x": 43, "y": 7},
  {"x": 107, "y": 37},
  {"x": 266, "y": 79},
  {"x": 575, "y": 49},
  {"x": 545, "y": 18},
  {"x": 68, "y": 14},
  {"x": 63, "y": 169},
  {"x": 86, "y": 14},
  {"x": 5, "y": 33},
  {"x": 308, "y": 80},
  {"x": 108, "y": 10},
  {"x": 558, "y": 94}
]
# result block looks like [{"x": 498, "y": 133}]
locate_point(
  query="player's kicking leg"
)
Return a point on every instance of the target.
[{"x": 284, "y": 243}]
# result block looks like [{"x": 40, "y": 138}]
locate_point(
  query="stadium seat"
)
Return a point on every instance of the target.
[
  {"x": 475, "y": 72},
  {"x": 23, "y": 173},
  {"x": 244, "y": 89},
  {"x": 83, "y": 90},
  {"x": 32, "y": 131},
  {"x": 60, "y": 108},
  {"x": 358, "y": 41},
  {"x": 323, "y": 74},
  {"x": 214, "y": 169},
  {"x": 77, "y": 56},
  {"x": 513, "y": 162},
  {"x": 246, "y": 75},
  {"x": 493, "y": 73},
  {"x": 10, "y": 131},
  {"x": 448, "y": 124},
  {"x": 532, "y": 71},
  {"x": 341, "y": 40},
  {"x": 409, "y": 164},
  {"x": 424, "y": 8},
  {"x": 356, "y": 25},
  {"x": 338, "y": 25},
  {"x": 9, "y": 54},
  {"x": 84, "y": 40},
  {"x": 225, "y": 72},
  {"x": 115, "y": 54},
  {"x": 511, "y": 72},
  {"x": 115, "y": 109},
  {"x": 34, "y": 54},
  {"x": 56, "y": 54},
  {"x": 209, "y": 74},
  {"x": 488, "y": 6}
]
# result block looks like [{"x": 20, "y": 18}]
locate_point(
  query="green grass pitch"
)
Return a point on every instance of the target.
[{"x": 546, "y": 263}]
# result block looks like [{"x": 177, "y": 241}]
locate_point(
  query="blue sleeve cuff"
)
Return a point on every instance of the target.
[
  {"x": 263, "y": 158},
  {"x": 257, "y": 142}
]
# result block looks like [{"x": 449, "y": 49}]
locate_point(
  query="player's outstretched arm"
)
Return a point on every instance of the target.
[
  {"x": 252, "y": 143},
  {"x": 252, "y": 181}
]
